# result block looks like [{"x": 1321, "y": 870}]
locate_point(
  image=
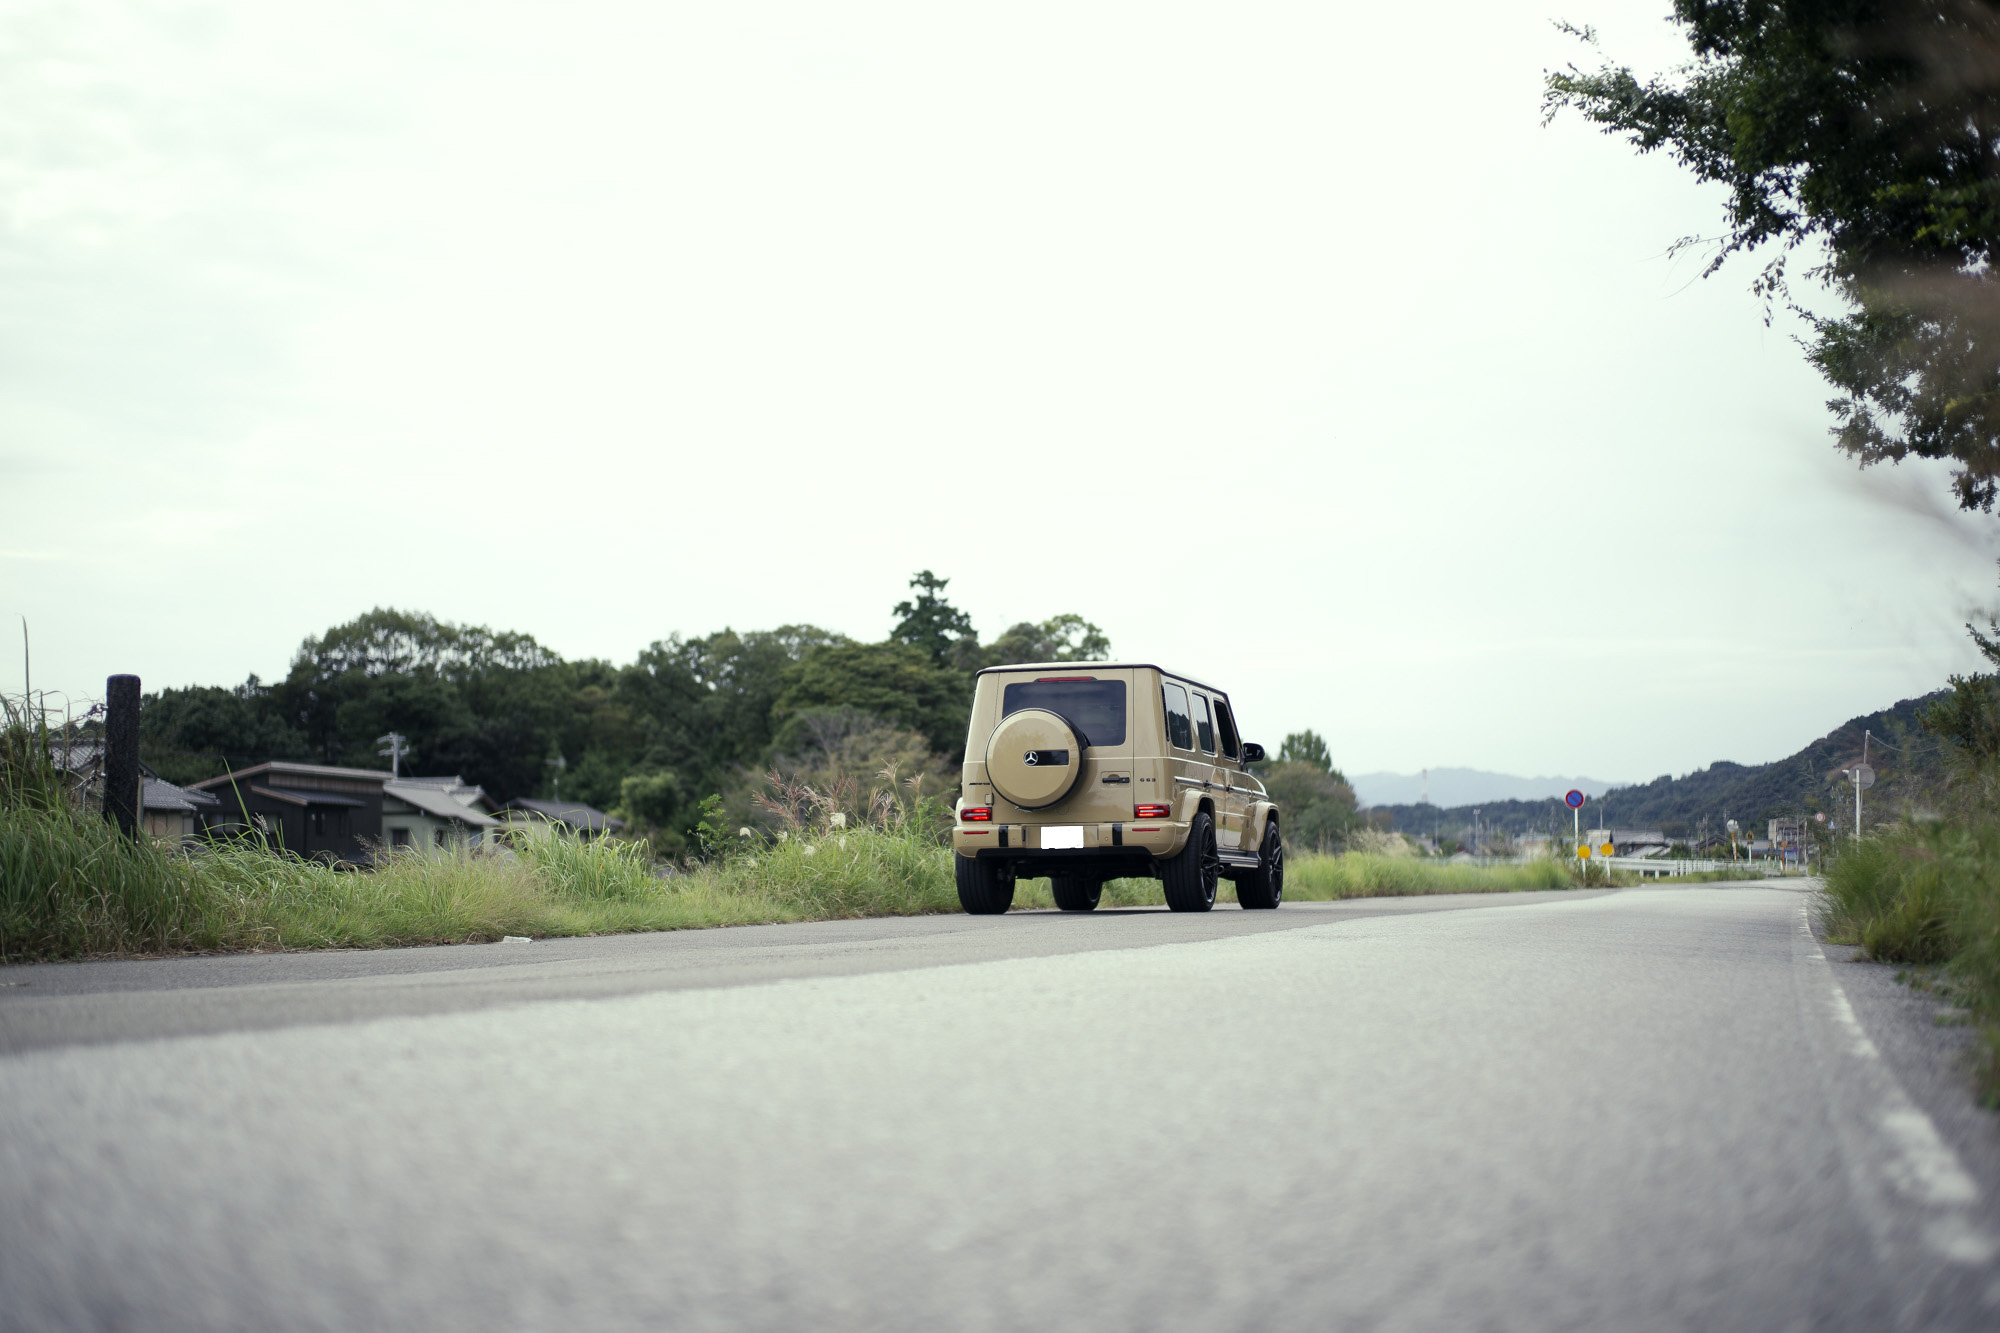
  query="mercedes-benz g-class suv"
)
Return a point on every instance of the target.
[{"x": 1089, "y": 771}]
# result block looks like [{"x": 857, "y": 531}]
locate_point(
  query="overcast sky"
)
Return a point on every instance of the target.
[{"x": 1281, "y": 340}]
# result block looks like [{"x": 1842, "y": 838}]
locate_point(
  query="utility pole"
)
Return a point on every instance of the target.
[
  {"x": 1857, "y": 782},
  {"x": 397, "y": 747}
]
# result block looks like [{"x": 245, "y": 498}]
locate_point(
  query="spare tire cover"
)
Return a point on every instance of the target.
[{"x": 1034, "y": 758}]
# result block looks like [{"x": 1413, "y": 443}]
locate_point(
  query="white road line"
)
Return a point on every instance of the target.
[{"x": 1919, "y": 1165}]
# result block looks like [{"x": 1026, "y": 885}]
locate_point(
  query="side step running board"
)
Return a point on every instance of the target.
[{"x": 1240, "y": 860}]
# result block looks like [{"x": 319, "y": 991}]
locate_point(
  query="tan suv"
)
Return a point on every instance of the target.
[{"x": 1088, "y": 771}]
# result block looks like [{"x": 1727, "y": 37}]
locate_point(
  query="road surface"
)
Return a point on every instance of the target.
[{"x": 1663, "y": 1108}]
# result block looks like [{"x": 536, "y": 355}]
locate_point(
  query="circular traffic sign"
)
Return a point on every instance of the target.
[
  {"x": 1574, "y": 800},
  {"x": 1583, "y": 850},
  {"x": 1608, "y": 850}
]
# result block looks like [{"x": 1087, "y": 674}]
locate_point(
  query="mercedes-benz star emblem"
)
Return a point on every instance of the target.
[{"x": 1031, "y": 758}]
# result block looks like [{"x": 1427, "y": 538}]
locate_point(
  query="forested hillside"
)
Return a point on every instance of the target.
[
  {"x": 1908, "y": 763},
  {"x": 686, "y": 719}
]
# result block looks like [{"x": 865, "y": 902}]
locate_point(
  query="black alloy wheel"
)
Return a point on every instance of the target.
[
  {"x": 1265, "y": 886},
  {"x": 1076, "y": 893},
  {"x": 1189, "y": 879},
  {"x": 984, "y": 889}
]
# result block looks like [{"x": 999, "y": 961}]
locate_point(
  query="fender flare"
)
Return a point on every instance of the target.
[{"x": 1260, "y": 814}]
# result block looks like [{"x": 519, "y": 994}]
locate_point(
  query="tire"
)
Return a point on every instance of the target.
[
  {"x": 983, "y": 889},
  {"x": 1190, "y": 878},
  {"x": 1264, "y": 887},
  {"x": 1076, "y": 893}
]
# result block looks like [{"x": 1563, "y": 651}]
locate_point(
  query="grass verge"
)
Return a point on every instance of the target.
[
  {"x": 1928, "y": 894},
  {"x": 71, "y": 887}
]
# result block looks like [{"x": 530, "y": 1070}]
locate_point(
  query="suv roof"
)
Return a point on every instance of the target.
[{"x": 1079, "y": 666}]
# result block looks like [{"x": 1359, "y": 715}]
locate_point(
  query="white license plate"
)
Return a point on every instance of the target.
[{"x": 1061, "y": 836}]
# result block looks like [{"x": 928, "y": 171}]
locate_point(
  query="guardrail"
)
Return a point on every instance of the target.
[{"x": 1660, "y": 867}]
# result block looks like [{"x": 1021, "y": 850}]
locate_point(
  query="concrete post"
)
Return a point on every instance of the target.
[{"x": 121, "y": 753}]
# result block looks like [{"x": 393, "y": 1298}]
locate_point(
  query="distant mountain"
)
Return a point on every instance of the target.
[
  {"x": 1464, "y": 786},
  {"x": 1908, "y": 764}
]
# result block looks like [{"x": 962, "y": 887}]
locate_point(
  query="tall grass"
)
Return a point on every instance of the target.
[
  {"x": 1370, "y": 875},
  {"x": 70, "y": 884},
  {"x": 1928, "y": 893}
]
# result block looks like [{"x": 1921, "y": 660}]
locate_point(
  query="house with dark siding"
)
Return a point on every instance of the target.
[{"x": 321, "y": 812}]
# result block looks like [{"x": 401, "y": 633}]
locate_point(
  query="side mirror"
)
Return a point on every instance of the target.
[{"x": 1253, "y": 753}]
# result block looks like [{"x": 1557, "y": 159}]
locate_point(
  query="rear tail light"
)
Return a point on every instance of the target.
[
  {"x": 976, "y": 813},
  {"x": 1151, "y": 811}
]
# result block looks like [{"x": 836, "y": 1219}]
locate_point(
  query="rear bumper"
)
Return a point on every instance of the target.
[{"x": 1143, "y": 840}]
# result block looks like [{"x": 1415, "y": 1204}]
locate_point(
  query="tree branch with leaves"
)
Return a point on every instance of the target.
[{"x": 1871, "y": 127}]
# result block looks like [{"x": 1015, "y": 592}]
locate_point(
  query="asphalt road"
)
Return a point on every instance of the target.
[{"x": 1660, "y": 1108}]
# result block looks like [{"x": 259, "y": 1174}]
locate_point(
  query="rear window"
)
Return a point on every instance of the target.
[{"x": 1096, "y": 707}]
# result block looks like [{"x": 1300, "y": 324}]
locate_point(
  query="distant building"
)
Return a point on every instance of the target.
[
  {"x": 541, "y": 816},
  {"x": 1629, "y": 841},
  {"x": 438, "y": 814},
  {"x": 331, "y": 814},
  {"x": 1787, "y": 832},
  {"x": 167, "y": 811}
]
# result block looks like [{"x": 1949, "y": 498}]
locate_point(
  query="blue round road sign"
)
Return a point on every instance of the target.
[{"x": 1574, "y": 800}]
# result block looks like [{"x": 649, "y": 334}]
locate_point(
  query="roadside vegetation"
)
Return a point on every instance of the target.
[
  {"x": 1925, "y": 890},
  {"x": 76, "y": 888},
  {"x": 71, "y": 886}
]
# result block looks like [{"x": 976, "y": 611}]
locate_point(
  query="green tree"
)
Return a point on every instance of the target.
[
  {"x": 204, "y": 731},
  {"x": 1316, "y": 807},
  {"x": 847, "y": 755},
  {"x": 704, "y": 707},
  {"x": 930, "y": 623},
  {"x": 892, "y": 681},
  {"x": 1968, "y": 716},
  {"x": 1064, "y": 638},
  {"x": 656, "y": 805},
  {"x": 1306, "y": 747},
  {"x": 484, "y": 704},
  {"x": 1871, "y": 126}
]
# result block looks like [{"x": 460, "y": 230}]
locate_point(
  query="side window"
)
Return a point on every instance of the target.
[
  {"x": 1202, "y": 725},
  {"x": 1226, "y": 724},
  {"x": 1180, "y": 725},
  {"x": 399, "y": 837}
]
